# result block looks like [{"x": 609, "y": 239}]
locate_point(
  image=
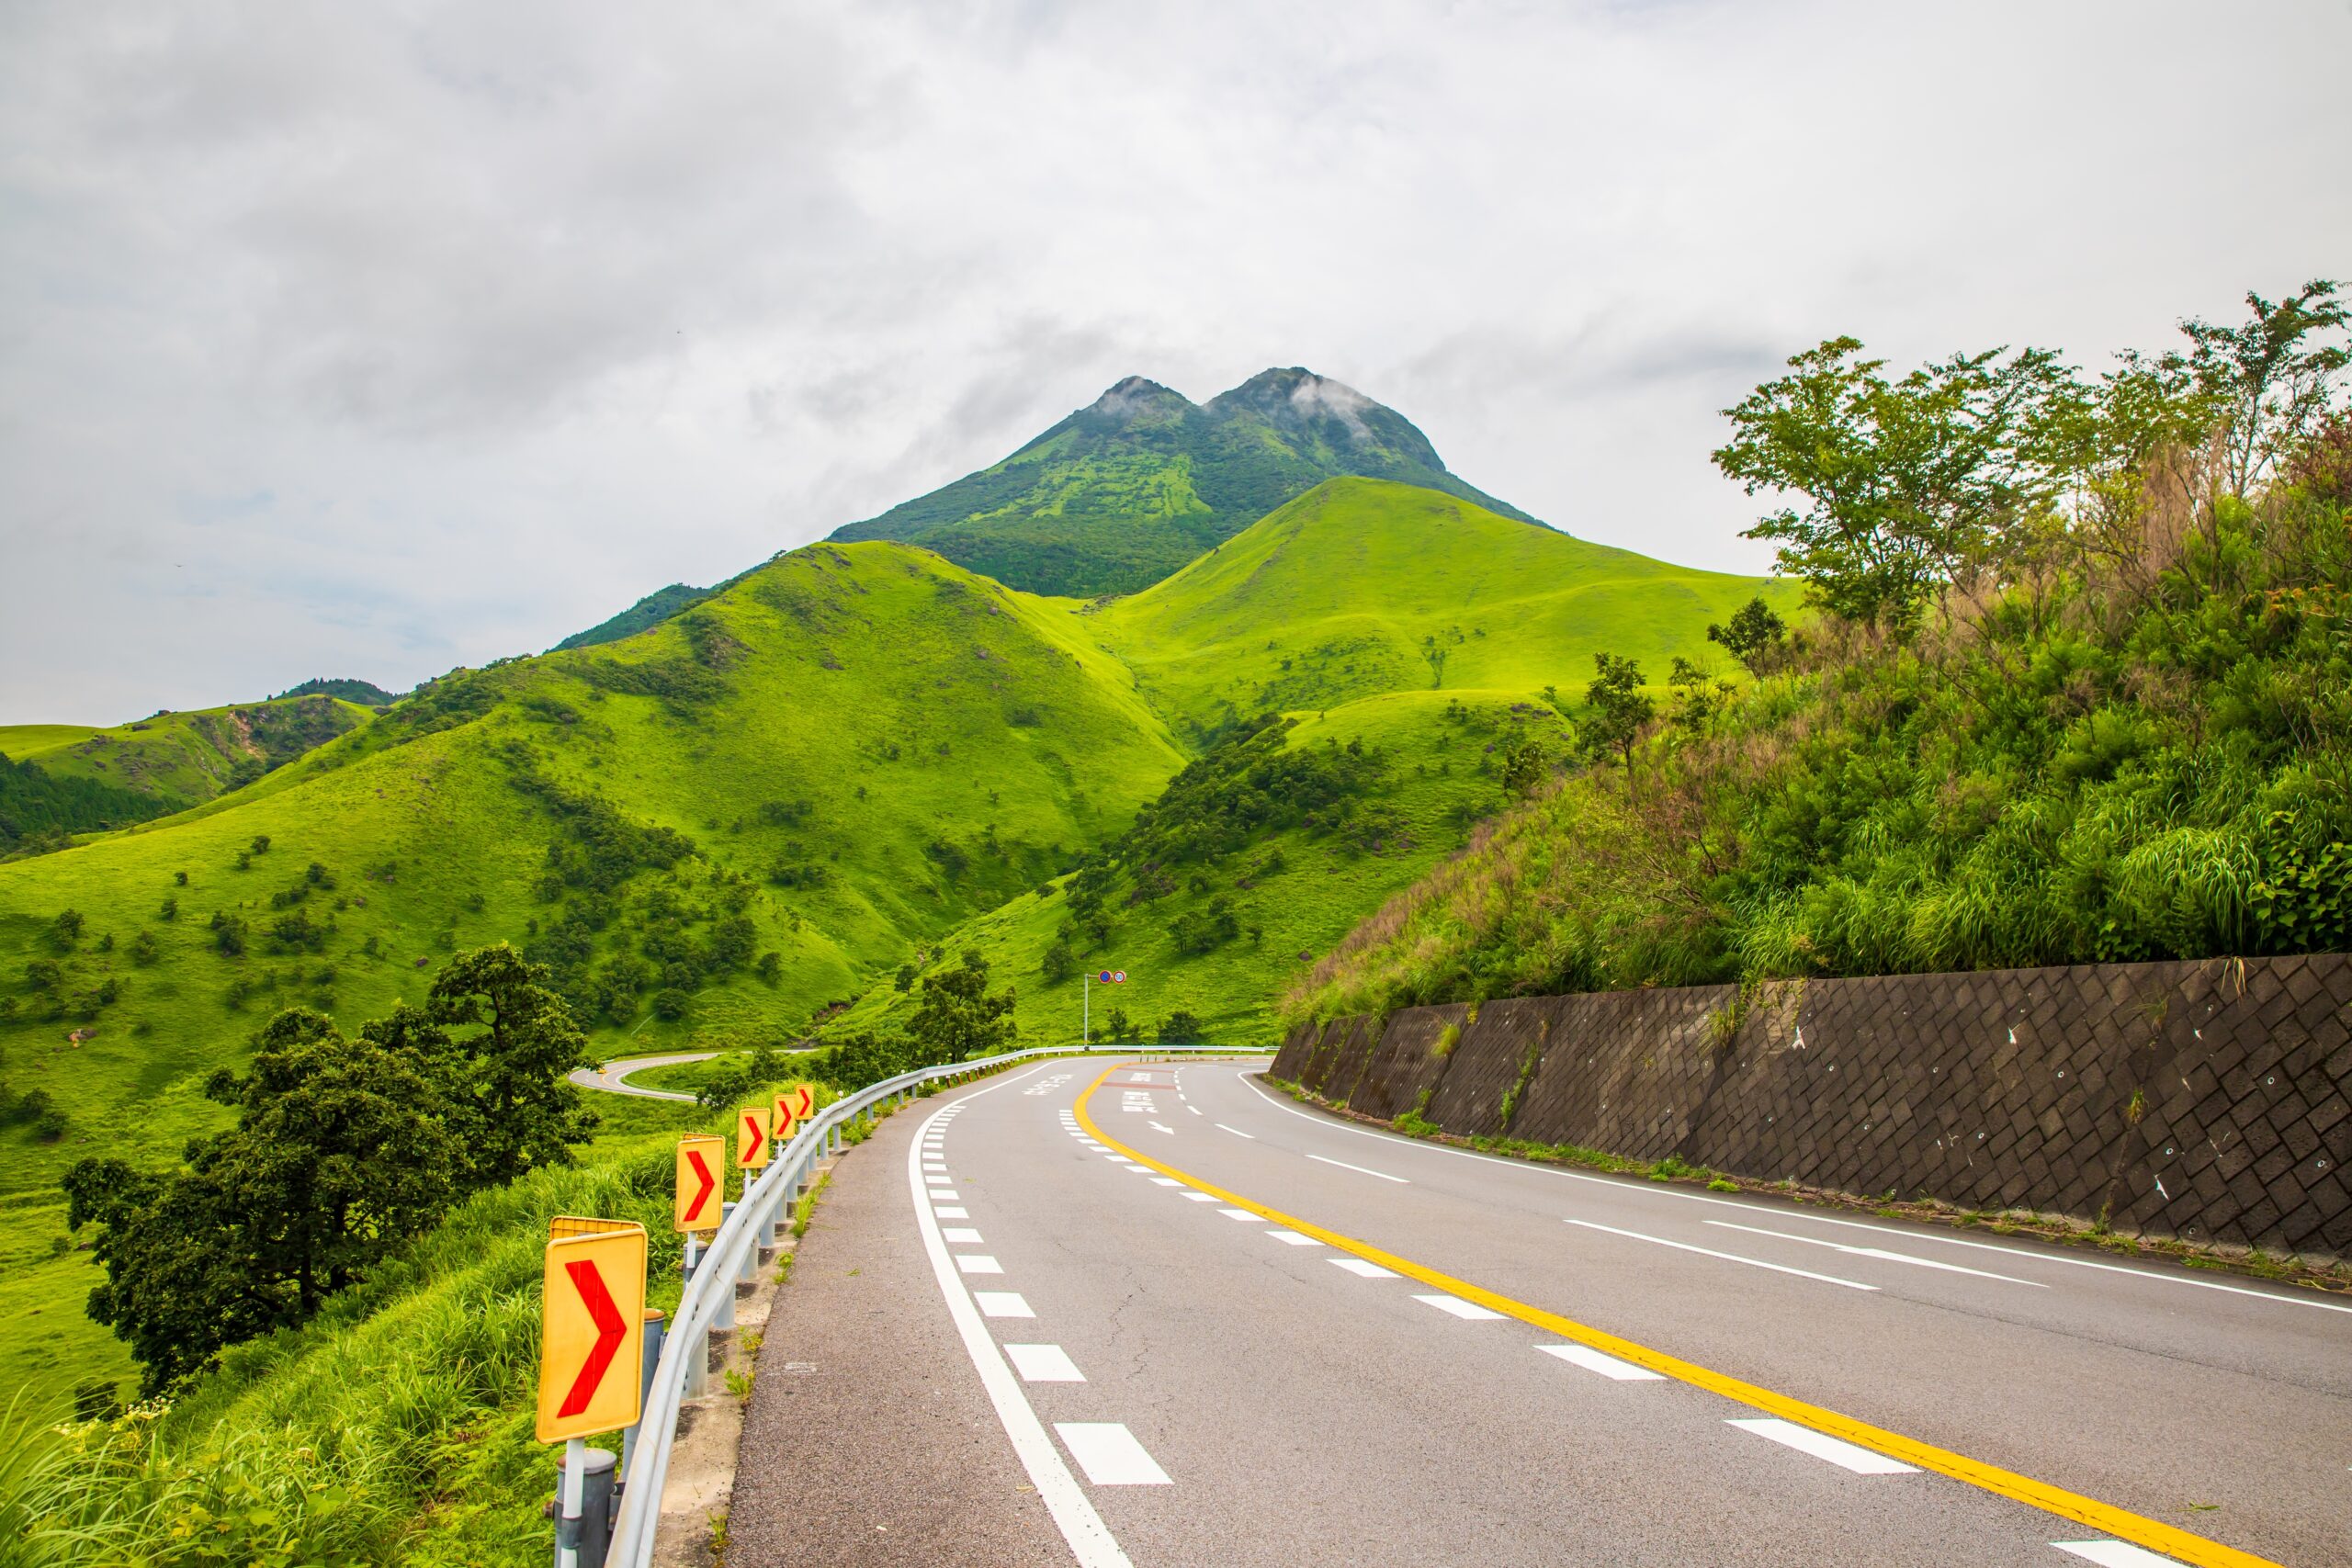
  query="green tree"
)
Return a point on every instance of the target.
[
  {"x": 2273, "y": 385},
  {"x": 1910, "y": 483},
  {"x": 515, "y": 1042},
  {"x": 1616, "y": 709},
  {"x": 958, "y": 1019},
  {"x": 1058, "y": 964},
  {"x": 1180, "y": 1028},
  {"x": 1118, "y": 1027},
  {"x": 1524, "y": 767},
  {"x": 337, "y": 1156},
  {"x": 1755, "y": 635}
]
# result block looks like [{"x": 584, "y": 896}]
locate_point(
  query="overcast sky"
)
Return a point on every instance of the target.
[{"x": 373, "y": 340}]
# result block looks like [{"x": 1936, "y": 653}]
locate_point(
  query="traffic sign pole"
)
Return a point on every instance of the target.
[{"x": 567, "y": 1524}]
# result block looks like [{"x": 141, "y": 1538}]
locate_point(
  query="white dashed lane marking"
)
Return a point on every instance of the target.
[
  {"x": 2115, "y": 1554},
  {"x": 941, "y": 1211},
  {"x": 978, "y": 1263},
  {"x": 962, "y": 1236},
  {"x": 1593, "y": 1360},
  {"x": 1243, "y": 1214},
  {"x": 1238, "y": 1132},
  {"x": 1821, "y": 1444},
  {"x": 1109, "y": 1454},
  {"x": 1727, "y": 1256},
  {"x": 1292, "y": 1237},
  {"x": 1878, "y": 1252},
  {"x": 1042, "y": 1363},
  {"x": 1360, "y": 1171},
  {"x": 1001, "y": 1303},
  {"x": 1364, "y": 1266},
  {"x": 1469, "y": 1311}
]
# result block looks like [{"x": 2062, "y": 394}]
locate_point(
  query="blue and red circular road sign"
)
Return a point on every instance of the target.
[{"x": 1110, "y": 977}]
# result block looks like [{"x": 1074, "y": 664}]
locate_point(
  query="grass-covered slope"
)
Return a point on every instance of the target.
[
  {"x": 1361, "y": 587},
  {"x": 1128, "y": 489},
  {"x": 1415, "y": 627},
  {"x": 848, "y": 753},
  {"x": 2143, "y": 750},
  {"x": 185, "y": 759},
  {"x": 644, "y": 615}
]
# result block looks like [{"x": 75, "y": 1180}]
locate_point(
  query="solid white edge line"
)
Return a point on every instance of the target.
[
  {"x": 1360, "y": 1170},
  {"x": 1398, "y": 1141},
  {"x": 1726, "y": 1257},
  {"x": 1090, "y": 1538}
]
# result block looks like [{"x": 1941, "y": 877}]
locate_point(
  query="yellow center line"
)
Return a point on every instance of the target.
[{"x": 2120, "y": 1523}]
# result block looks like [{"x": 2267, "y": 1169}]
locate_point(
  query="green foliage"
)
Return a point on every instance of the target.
[
  {"x": 646, "y": 614},
  {"x": 958, "y": 1019},
  {"x": 1180, "y": 1028},
  {"x": 1617, "y": 708},
  {"x": 2142, "y": 751},
  {"x": 1754, "y": 636},
  {"x": 39, "y": 811},
  {"x": 367, "y": 694},
  {"x": 342, "y": 1148}
]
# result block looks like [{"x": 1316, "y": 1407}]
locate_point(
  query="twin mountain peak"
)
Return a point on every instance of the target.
[{"x": 1127, "y": 489}]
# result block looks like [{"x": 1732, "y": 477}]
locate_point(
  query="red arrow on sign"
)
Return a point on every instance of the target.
[
  {"x": 702, "y": 1174},
  {"x": 756, "y": 1133},
  {"x": 807, "y": 1103},
  {"x": 610, "y": 1329}
]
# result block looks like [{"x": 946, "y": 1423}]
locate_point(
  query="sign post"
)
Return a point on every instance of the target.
[
  {"x": 592, "y": 1318},
  {"x": 1086, "y": 999}
]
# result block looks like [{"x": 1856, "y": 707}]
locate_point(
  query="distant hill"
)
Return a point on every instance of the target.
[
  {"x": 1138, "y": 482},
  {"x": 1415, "y": 641},
  {"x": 174, "y": 761},
  {"x": 367, "y": 694},
  {"x": 649, "y": 612}
]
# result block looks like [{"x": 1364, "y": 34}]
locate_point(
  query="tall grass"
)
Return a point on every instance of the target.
[
  {"x": 2148, "y": 758},
  {"x": 396, "y": 1428}
]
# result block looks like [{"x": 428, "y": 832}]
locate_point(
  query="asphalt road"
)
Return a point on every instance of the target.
[
  {"x": 612, "y": 1077},
  {"x": 1012, "y": 1343}
]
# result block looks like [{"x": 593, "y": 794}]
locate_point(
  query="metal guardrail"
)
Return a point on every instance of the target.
[{"x": 709, "y": 1298}]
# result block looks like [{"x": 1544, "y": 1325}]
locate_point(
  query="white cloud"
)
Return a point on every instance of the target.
[{"x": 344, "y": 341}]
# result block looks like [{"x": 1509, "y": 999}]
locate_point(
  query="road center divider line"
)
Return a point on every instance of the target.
[{"x": 2152, "y": 1534}]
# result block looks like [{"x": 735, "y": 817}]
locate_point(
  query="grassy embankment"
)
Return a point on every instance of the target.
[{"x": 2142, "y": 749}]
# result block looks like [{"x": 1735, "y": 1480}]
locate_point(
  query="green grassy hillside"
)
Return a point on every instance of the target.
[
  {"x": 848, "y": 753},
  {"x": 646, "y": 614},
  {"x": 185, "y": 759},
  {"x": 1128, "y": 489},
  {"x": 1413, "y": 625}
]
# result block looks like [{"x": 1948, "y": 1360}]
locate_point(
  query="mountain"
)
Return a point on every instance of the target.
[
  {"x": 1130, "y": 488},
  {"x": 169, "y": 761},
  {"x": 649, "y": 612},
  {"x": 367, "y": 694},
  {"x": 1413, "y": 642}
]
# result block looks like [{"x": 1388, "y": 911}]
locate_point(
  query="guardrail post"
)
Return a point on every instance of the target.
[
  {"x": 584, "y": 1521},
  {"x": 698, "y": 1353},
  {"x": 647, "y": 1362},
  {"x": 726, "y": 1318}
]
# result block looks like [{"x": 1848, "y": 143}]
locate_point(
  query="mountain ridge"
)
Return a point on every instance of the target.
[{"x": 1125, "y": 491}]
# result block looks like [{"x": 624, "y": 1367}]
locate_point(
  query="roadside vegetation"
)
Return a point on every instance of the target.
[{"x": 2078, "y": 688}]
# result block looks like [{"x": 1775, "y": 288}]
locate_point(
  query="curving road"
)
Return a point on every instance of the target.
[
  {"x": 1278, "y": 1338},
  {"x": 612, "y": 1077}
]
